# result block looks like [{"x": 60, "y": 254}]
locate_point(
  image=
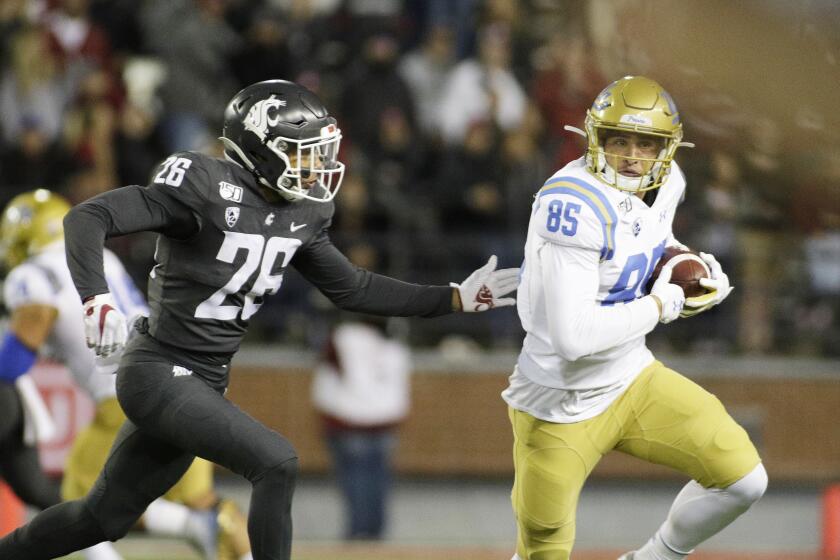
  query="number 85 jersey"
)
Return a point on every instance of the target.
[{"x": 582, "y": 301}]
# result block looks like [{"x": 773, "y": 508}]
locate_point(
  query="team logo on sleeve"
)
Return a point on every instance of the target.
[
  {"x": 231, "y": 215},
  {"x": 230, "y": 192}
]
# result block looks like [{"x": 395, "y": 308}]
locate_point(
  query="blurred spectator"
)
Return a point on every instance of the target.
[
  {"x": 470, "y": 194},
  {"x": 526, "y": 167},
  {"x": 425, "y": 70},
  {"x": 89, "y": 127},
  {"x": 32, "y": 88},
  {"x": 33, "y": 161},
  {"x": 482, "y": 89},
  {"x": 266, "y": 54},
  {"x": 361, "y": 388},
  {"x": 565, "y": 83},
  {"x": 196, "y": 44},
  {"x": 816, "y": 209},
  {"x": 82, "y": 47},
  {"x": 761, "y": 234},
  {"x": 374, "y": 87}
]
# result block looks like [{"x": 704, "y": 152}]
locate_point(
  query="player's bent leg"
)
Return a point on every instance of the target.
[
  {"x": 20, "y": 466},
  {"x": 139, "y": 469},
  {"x": 55, "y": 532},
  {"x": 551, "y": 462},
  {"x": 193, "y": 416},
  {"x": 685, "y": 427},
  {"x": 699, "y": 513}
]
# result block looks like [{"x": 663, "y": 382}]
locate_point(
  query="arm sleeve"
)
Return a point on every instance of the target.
[
  {"x": 355, "y": 289},
  {"x": 578, "y": 325},
  {"x": 114, "y": 213}
]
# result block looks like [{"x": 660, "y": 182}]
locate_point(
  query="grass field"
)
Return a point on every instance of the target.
[{"x": 149, "y": 549}]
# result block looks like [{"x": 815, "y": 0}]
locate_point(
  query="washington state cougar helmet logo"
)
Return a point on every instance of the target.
[{"x": 260, "y": 118}]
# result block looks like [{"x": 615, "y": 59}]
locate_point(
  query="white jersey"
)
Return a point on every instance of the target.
[
  {"x": 589, "y": 253},
  {"x": 44, "y": 279}
]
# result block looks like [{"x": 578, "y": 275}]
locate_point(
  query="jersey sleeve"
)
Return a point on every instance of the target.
[
  {"x": 578, "y": 325},
  {"x": 29, "y": 284},
  {"x": 355, "y": 289},
  {"x": 575, "y": 214}
]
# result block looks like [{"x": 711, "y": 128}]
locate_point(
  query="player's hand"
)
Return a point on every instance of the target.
[
  {"x": 484, "y": 288},
  {"x": 671, "y": 297},
  {"x": 105, "y": 327},
  {"x": 717, "y": 285}
]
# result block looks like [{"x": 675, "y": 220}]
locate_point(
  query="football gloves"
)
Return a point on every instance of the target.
[
  {"x": 482, "y": 290},
  {"x": 105, "y": 326},
  {"x": 670, "y": 295},
  {"x": 717, "y": 285}
]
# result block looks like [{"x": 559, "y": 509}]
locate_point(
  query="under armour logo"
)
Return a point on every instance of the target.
[
  {"x": 178, "y": 371},
  {"x": 269, "y": 219}
]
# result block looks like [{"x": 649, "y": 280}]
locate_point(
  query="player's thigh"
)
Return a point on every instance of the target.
[
  {"x": 191, "y": 415},
  {"x": 679, "y": 424},
  {"x": 140, "y": 468},
  {"x": 551, "y": 464},
  {"x": 90, "y": 450},
  {"x": 196, "y": 486}
]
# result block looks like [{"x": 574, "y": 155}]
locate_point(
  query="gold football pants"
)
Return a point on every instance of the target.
[
  {"x": 90, "y": 450},
  {"x": 663, "y": 418}
]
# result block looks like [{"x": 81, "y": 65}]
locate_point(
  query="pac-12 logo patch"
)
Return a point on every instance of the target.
[
  {"x": 637, "y": 227},
  {"x": 231, "y": 215},
  {"x": 230, "y": 192}
]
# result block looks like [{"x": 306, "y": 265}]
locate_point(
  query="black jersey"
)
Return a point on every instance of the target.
[
  {"x": 223, "y": 249},
  {"x": 204, "y": 289}
]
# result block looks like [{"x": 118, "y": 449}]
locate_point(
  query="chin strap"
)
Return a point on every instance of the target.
[{"x": 574, "y": 130}]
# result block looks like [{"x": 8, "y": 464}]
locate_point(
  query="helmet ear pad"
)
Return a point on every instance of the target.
[{"x": 265, "y": 163}]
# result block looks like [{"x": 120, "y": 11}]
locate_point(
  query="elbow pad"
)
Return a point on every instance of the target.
[{"x": 15, "y": 358}]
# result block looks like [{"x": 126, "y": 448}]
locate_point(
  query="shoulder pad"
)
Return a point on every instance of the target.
[
  {"x": 30, "y": 284},
  {"x": 570, "y": 211}
]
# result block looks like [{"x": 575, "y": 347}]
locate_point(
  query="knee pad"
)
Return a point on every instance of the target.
[
  {"x": 284, "y": 470},
  {"x": 750, "y": 487}
]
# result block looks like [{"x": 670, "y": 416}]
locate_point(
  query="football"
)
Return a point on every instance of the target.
[{"x": 688, "y": 269}]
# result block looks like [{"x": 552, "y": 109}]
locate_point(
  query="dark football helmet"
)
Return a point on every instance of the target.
[{"x": 282, "y": 133}]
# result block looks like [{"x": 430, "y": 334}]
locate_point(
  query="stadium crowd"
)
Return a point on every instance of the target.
[{"x": 453, "y": 113}]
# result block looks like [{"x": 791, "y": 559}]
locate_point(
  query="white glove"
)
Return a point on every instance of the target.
[
  {"x": 717, "y": 284},
  {"x": 105, "y": 328},
  {"x": 670, "y": 295},
  {"x": 482, "y": 290}
]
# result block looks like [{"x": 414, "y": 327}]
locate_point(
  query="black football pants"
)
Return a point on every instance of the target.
[
  {"x": 19, "y": 465},
  {"x": 174, "y": 415}
]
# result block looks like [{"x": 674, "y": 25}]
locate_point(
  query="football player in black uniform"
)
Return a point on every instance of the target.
[{"x": 228, "y": 228}]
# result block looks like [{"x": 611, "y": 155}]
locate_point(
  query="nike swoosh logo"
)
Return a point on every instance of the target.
[{"x": 293, "y": 227}]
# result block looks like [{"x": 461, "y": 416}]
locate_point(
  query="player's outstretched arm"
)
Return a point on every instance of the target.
[{"x": 354, "y": 289}]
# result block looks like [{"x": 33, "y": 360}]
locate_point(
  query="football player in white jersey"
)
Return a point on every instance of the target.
[
  {"x": 46, "y": 318},
  {"x": 585, "y": 383}
]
